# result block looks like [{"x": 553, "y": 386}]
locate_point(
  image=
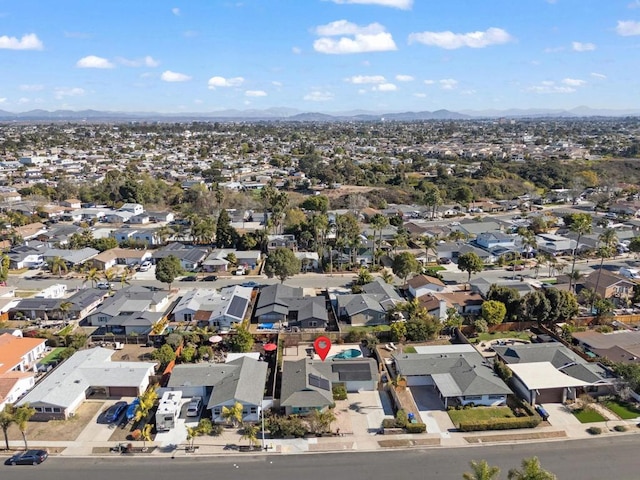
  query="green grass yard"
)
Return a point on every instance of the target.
[
  {"x": 624, "y": 410},
  {"x": 484, "y": 337},
  {"x": 586, "y": 415},
  {"x": 53, "y": 356},
  {"x": 479, "y": 413}
]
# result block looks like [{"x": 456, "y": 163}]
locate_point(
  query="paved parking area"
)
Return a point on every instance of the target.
[
  {"x": 560, "y": 415},
  {"x": 432, "y": 410}
]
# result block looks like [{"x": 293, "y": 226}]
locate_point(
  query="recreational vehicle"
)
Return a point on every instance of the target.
[{"x": 168, "y": 411}]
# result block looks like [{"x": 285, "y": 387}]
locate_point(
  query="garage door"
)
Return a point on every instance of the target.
[
  {"x": 419, "y": 380},
  {"x": 123, "y": 391},
  {"x": 551, "y": 395}
]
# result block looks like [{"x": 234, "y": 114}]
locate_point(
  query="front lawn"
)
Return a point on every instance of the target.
[
  {"x": 587, "y": 415},
  {"x": 624, "y": 410},
  {"x": 476, "y": 414},
  {"x": 409, "y": 349}
]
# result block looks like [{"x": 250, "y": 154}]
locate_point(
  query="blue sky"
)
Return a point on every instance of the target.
[{"x": 318, "y": 55}]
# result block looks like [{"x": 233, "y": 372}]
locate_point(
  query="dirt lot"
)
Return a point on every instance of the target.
[
  {"x": 132, "y": 353},
  {"x": 63, "y": 430}
]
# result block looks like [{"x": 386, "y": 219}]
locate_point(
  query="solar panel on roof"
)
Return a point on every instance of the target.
[
  {"x": 237, "y": 307},
  {"x": 319, "y": 382}
]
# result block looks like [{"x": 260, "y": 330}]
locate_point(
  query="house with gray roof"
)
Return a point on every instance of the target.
[
  {"x": 458, "y": 373},
  {"x": 87, "y": 372},
  {"x": 82, "y": 302},
  {"x": 307, "y": 384},
  {"x": 71, "y": 257},
  {"x": 134, "y": 309},
  {"x": 241, "y": 380},
  {"x": 218, "y": 310},
  {"x": 280, "y": 303},
  {"x": 552, "y": 373},
  {"x": 190, "y": 257}
]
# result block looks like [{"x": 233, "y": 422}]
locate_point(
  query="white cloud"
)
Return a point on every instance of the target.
[
  {"x": 31, "y": 88},
  {"x": 574, "y": 82},
  {"x": 551, "y": 87},
  {"x": 147, "y": 61},
  {"x": 451, "y": 41},
  {"x": 598, "y": 75},
  {"x": 255, "y": 93},
  {"x": 369, "y": 38},
  {"x": 628, "y": 28},
  {"x": 3, "y": 100},
  {"x": 92, "y": 61},
  {"x": 215, "y": 82},
  {"x": 169, "y": 76},
  {"x": 385, "y": 87},
  {"x": 29, "y": 41},
  {"x": 583, "y": 47},
  {"x": 62, "y": 92},
  {"x": 344, "y": 27},
  {"x": 401, "y": 4},
  {"x": 175, "y": 11},
  {"x": 361, "y": 79},
  {"x": 381, "y": 42},
  {"x": 404, "y": 78},
  {"x": 448, "y": 83},
  {"x": 318, "y": 96}
]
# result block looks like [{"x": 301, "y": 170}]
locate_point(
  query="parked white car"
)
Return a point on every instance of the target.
[{"x": 145, "y": 266}]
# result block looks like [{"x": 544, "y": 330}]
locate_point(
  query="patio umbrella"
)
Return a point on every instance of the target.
[
  {"x": 215, "y": 339},
  {"x": 270, "y": 347}
]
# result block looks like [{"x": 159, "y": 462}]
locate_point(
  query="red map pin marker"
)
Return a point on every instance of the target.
[{"x": 322, "y": 345}]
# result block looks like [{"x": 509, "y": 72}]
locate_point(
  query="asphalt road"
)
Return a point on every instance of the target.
[{"x": 604, "y": 458}]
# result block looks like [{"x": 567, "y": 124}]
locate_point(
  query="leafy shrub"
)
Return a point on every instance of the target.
[
  {"x": 594, "y": 430},
  {"x": 502, "y": 370},
  {"x": 388, "y": 423},
  {"x": 499, "y": 424},
  {"x": 216, "y": 430},
  {"x": 339, "y": 392},
  {"x": 401, "y": 418},
  {"x": 620, "y": 428},
  {"x": 281, "y": 427},
  {"x": 415, "y": 428}
]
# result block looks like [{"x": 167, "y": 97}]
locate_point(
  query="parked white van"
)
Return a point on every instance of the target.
[{"x": 632, "y": 273}]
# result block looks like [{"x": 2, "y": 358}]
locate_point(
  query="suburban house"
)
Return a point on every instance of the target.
[
  {"x": 20, "y": 354},
  {"x": 458, "y": 373},
  {"x": 552, "y": 373},
  {"x": 190, "y": 257},
  {"x": 361, "y": 309},
  {"x": 13, "y": 385},
  {"x": 282, "y": 241},
  {"x": 424, "y": 284},
  {"x": 219, "y": 310},
  {"x": 81, "y": 303},
  {"x": 554, "y": 244},
  {"x": 23, "y": 256},
  {"x": 71, "y": 257},
  {"x": 466, "y": 303},
  {"x": 86, "y": 373},
  {"x": 134, "y": 309},
  {"x": 281, "y": 303},
  {"x": 145, "y": 236},
  {"x": 217, "y": 260},
  {"x": 120, "y": 256},
  {"x": 240, "y": 380},
  {"x": 134, "y": 208},
  {"x": 494, "y": 239},
  {"x": 610, "y": 286},
  {"x": 618, "y": 346},
  {"x": 307, "y": 384}
]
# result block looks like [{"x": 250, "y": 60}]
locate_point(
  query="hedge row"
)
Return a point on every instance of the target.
[
  {"x": 499, "y": 424},
  {"x": 415, "y": 428}
]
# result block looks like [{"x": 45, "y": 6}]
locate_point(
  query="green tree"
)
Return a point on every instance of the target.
[
  {"x": 398, "y": 331},
  {"x": 165, "y": 355},
  {"x": 531, "y": 470},
  {"x": 494, "y": 312},
  {"x": 22, "y": 415},
  {"x": 317, "y": 203},
  {"x": 282, "y": 263},
  {"x": 608, "y": 241},
  {"x": 364, "y": 276},
  {"x": 564, "y": 305},
  {"x": 226, "y": 235},
  {"x": 634, "y": 245},
  {"x": 535, "y": 307},
  {"x": 509, "y": 297},
  {"x": 242, "y": 340},
  {"x": 378, "y": 223},
  {"x": 430, "y": 244},
  {"x": 6, "y": 419},
  {"x": 471, "y": 263},
  {"x": 320, "y": 421},
  {"x": 388, "y": 276},
  {"x": 481, "y": 471},
  {"x": 188, "y": 354},
  {"x": 4, "y": 267},
  {"x": 58, "y": 266},
  {"x": 167, "y": 269},
  {"x": 404, "y": 264}
]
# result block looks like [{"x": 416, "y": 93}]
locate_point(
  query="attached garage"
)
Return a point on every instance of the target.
[
  {"x": 541, "y": 382},
  {"x": 122, "y": 392}
]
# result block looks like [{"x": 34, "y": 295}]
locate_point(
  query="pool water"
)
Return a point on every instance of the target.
[{"x": 350, "y": 353}]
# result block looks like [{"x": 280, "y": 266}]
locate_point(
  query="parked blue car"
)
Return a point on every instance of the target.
[
  {"x": 114, "y": 412},
  {"x": 131, "y": 409}
]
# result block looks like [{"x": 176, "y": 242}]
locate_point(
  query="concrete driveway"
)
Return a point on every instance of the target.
[
  {"x": 560, "y": 415},
  {"x": 432, "y": 410}
]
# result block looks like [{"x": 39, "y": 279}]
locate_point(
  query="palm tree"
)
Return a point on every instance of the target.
[
  {"x": 574, "y": 277},
  {"x": 145, "y": 434},
  {"x": 481, "y": 471},
  {"x": 109, "y": 275},
  {"x": 388, "y": 276},
  {"x": 364, "y": 276},
  {"x": 531, "y": 470},
  {"x": 92, "y": 276},
  {"x": 250, "y": 433},
  {"x": 378, "y": 223},
  {"x": 430, "y": 244},
  {"x": 233, "y": 414},
  {"x": 608, "y": 240},
  {"x": 127, "y": 273},
  {"x": 581, "y": 225},
  {"x": 65, "y": 308},
  {"x": 58, "y": 266},
  {"x": 22, "y": 414}
]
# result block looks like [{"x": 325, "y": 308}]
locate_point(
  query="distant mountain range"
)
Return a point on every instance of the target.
[{"x": 290, "y": 114}]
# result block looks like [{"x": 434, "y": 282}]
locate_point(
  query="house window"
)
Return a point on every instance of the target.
[
  {"x": 313, "y": 324},
  {"x": 216, "y": 411},
  {"x": 254, "y": 409},
  {"x": 496, "y": 397},
  {"x": 48, "y": 410},
  {"x": 188, "y": 317},
  {"x": 38, "y": 409},
  {"x": 244, "y": 412},
  {"x": 473, "y": 397},
  {"x": 102, "y": 319},
  {"x": 56, "y": 410}
]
